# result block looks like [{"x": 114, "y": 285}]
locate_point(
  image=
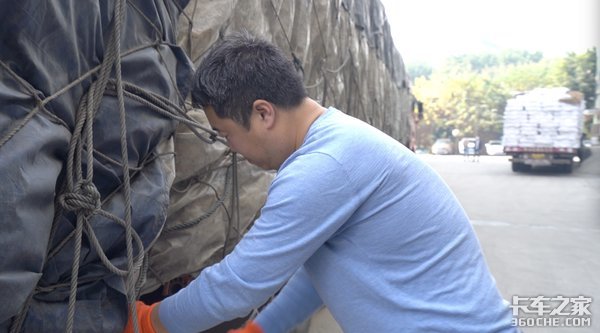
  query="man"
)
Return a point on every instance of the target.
[{"x": 353, "y": 219}]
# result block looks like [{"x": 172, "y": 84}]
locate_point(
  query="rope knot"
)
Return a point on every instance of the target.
[{"x": 84, "y": 198}]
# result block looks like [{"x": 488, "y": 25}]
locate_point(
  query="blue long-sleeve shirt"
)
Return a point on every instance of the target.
[{"x": 365, "y": 228}]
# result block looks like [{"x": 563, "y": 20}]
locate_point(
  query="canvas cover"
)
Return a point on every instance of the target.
[
  {"x": 191, "y": 199},
  {"x": 344, "y": 49},
  {"x": 348, "y": 60},
  {"x": 50, "y": 55},
  {"x": 214, "y": 199}
]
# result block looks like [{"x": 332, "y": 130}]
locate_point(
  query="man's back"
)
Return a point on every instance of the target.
[
  {"x": 407, "y": 256},
  {"x": 365, "y": 227}
]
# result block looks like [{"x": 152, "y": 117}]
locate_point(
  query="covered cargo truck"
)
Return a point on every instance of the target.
[
  {"x": 100, "y": 154},
  {"x": 543, "y": 127}
]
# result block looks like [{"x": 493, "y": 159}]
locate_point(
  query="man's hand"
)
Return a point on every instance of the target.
[
  {"x": 144, "y": 320},
  {"x": 251, "y": 327}
]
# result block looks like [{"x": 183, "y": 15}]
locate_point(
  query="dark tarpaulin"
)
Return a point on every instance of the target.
[
  {"x": 346, "y": 54},
  {"x": 370, "y": 17},
  {"x": 45, "y": 46}
]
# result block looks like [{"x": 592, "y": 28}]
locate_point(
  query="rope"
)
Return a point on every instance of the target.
[
  {"x": 79, "y": 194},
  {"x": 210, "y": 211},
  {"x": 59, "y": 209},
  {"x": 41, "y": 103},
  {"x": 337, "y": 70},
  {"x": 296, "y": 61},
  {"x": 165, "y": 107},
  {"x": 130, "y": 281},
  {"x": 82, "y": 197},
  {"x": 282, "y": 27},
  {"x": 314, "y": 85},
  {"x": 235, "y": 204},
  {"x": 319, "y": 27},
  {"x": 190, "y": 23}
]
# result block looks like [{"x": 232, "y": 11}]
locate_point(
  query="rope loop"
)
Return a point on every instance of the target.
[{"x": 84, "y": 199}]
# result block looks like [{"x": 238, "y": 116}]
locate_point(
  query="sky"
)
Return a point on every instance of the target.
[{"x": 428, "y": 31}]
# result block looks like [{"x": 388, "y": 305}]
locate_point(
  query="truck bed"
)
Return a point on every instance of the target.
[{"x": 543, "y": 127}]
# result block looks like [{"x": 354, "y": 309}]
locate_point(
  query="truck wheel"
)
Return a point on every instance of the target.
[
  {"x": 516, "y": 167},
  {"x": 567, "y": 168}
]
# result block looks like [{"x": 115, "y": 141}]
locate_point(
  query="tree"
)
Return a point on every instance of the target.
[
  {"x": 527, "y": 76},
  {"x": 481, "y": 62},
  {"x": 419, "y": 70},
  {"x": 470, "y": 92},
  {"x": 470, "y": 102},
  {"x": 580, "y": 70}
]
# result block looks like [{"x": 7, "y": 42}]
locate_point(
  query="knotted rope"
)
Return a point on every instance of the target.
[
  {"x": 79, "y": 194},
  {"x": 84, "y": 200}
]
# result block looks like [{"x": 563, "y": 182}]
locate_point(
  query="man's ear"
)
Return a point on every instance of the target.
[{"x": 265, "y": 111}]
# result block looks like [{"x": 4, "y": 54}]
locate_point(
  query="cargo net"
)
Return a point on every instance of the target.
[
  {"x": 106, "y": 204},
  {"x": 343, "y": 49},
  {"x": 77, "y": 209}
]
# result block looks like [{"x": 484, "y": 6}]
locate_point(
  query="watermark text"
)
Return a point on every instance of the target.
[{"x": 551, "y": 311}]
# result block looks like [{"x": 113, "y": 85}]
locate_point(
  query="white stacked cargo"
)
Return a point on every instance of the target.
[{"x": 543, "y": 127}]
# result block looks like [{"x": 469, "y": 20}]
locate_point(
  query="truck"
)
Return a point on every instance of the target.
[
  {"x": 543, "y": 127},
  {"x": 102, "y": 155}
]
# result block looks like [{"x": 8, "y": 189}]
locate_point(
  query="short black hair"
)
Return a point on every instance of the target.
[{"x": 241, "y": 68}]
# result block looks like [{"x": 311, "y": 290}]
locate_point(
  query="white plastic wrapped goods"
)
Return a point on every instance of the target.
[{"x": 544, "y": 117}]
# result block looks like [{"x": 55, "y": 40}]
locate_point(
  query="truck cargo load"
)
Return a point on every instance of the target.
[
  {"x": 113, "y": 186},
  {"x": 543, "y": 127}
]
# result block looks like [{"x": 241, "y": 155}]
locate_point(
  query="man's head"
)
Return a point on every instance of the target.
[
  {"x": 253, "y": 96},
  {"x": 240, "y": 69}
]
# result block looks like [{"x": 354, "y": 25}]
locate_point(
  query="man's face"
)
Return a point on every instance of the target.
[{"x": 250, "y": 143}]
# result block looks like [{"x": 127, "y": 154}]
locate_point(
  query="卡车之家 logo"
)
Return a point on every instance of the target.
[{"x": 546, "y": 311}]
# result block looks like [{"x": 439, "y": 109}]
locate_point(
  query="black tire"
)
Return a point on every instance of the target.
[{"x": 516, "y": 167}]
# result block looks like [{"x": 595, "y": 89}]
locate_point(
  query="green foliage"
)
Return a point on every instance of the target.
[
  {"x": 523, "y": 77},
  {"x": 480, "y": 62},
  {"x": 470, "y": 102},
  {"x": 419, "y": 70},
  {"x": 469, "y": 92},
  {"x": 580, "y": 71}
]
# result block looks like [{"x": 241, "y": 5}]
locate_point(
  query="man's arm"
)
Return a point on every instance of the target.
[
  {"x": 156, "y": 323},
  {"x": 296, "y": 302},
  {"x": 305, "y": 207}
]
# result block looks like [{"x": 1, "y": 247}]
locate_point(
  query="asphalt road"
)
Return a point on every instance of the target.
[{"x": 539, "y": 230}]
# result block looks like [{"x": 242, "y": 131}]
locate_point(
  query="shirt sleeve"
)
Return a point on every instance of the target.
[
  {"x": 309, "y": 200},
  {"x": 296, "y": 302}
]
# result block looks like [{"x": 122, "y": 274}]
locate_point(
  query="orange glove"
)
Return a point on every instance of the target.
[
  {"x": 251, "y": 327},
  {"x": 143, "y": 316}
]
